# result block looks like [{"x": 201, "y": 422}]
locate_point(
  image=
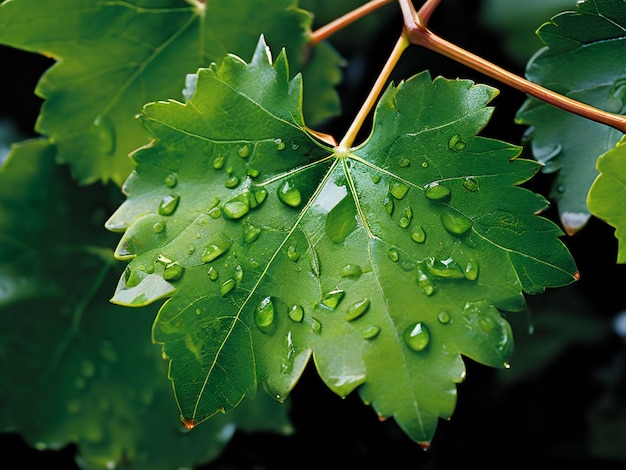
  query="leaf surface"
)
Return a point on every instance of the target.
[
  {"x": 113, "y": 57},
  {"x": 579, "y": 61},
  {"x": 77, "y": 369},
  {"x": 606, "y": 196},
  {"x": 384, "y": 262}
]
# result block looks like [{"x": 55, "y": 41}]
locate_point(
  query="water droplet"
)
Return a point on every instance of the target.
[
  {"x": 341, "y": 221},
  {"x": 191, "y": 249},
  {"x": 436, "y": 192},
  {"x": 393, "y": 255},
  {"x": 260, "y": 195},
  {"x": 236, "y": 207},
  {"x": 264, "y": 314},
  {"x": 398, "y": 189},
  {"x": 292, "y": 253},
  {"x": 231, "y": 182},
  {"x": 455, "y": 223},
  {"x": 447, "y": 268},
  {"x": 425, "y": 282},
  {"x": 251, "y": 233},
  {"x": 376, "y": 178},
  {"x": 158, "y": 227},
  {"x": 417, "y": 337},
  {"x": 424, "y": 164},
  {"x": 169, "y": 204},
  {"x": 280, "y": 145},
  {"x": 228, "y": 286},
  {"x": 444, "y": 318},
  {"x": 404, "y": 222},
  {"x": 218, "y": 162},
  {"x": 289, "y": 194},
  {"x": 418, "y": 235},
  {"x": 216, "y": 249},
  {"x": 238, "y": 273},
  {"x": 316, "y": 326},
  {"x": 404, "y": 162},
  {"x": 456, "y": 143},
  {"x": 332, "y": 299},
  {"x": 253, "y": 172},
  {"x": 198, "y": 311},
  {"x": 351, "y": 270},
  {"x": 213, "y": 274},
  {"x": 471, "y": 270},
  {"x": 296, "y": 313},
  {"x": 215, "y": 213},
  {"x": 357, "y": 309},
  {"x": 173, "y": 271},
  {"x": 471, "y": 184},
  {"x": 243, "y": 151},
  {"x": 370, "y": 332},
  {"x": 171, "y": 180},
  {"x": 388, "y": 203}
]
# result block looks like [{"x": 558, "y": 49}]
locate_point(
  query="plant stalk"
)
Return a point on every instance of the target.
[
  {"x": 418, "y": 33},
  {"x": 381, "y": 81},
  {"x": 325, "y": 31}
]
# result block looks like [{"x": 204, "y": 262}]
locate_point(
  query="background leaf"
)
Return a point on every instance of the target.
[
  {"x": 77, "y": 369},
  {"x": 386, "y": 261},
  {"x": 579, "y": 62},
  {"x": 123, "y": 54}
]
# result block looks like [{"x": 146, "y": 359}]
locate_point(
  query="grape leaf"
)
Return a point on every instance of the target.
[
  {"x": 119, "y": 55},
  {"x": 77, "y": 369},
  {"x": 385, "y": 262},
  {"x": 579, "y": 62},
  {"x": 606, "y": 196}
]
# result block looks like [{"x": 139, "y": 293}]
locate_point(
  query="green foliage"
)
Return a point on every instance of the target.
[{"x": 579, "y": 62}]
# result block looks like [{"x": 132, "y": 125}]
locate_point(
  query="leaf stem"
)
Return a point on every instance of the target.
[
  {"x": 343, "y": 21},
  {"x": 417, "y": 33},
  {"x": 381, "y": 81}
]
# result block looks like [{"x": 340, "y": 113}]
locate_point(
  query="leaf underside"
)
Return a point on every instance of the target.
[
  {"x": 579, "y": 61},
  {"x": 384, "y": 263},
  {"x": 113, "y": 57}
]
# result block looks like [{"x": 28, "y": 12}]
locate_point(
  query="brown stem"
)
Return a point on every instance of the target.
[
  {"x": 417, "y": 33},
  {"x": 343, "y": 21}
]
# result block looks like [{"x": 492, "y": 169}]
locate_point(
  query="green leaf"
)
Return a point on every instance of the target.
[
  {"x": 386, "y": 262},
  {"x": 579, "y": 62},
  {"x": 606, "y": 196},
  {"x": 76, "y": 369},
  {"x": 113, "y": 57}
]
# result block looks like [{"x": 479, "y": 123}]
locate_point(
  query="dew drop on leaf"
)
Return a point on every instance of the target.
[
  {"x": 316, "y": 326},
  {"x": 332, "y": 299},
  {"x": 436, "y": 192},
  {"x": 236, "y": 207},
  {"x": 280, "y": 145},
  {"x": 158, "y": 227},
  {"x": 168, "y": 204},
  {"x": 231, "y": 182},
  {"x": 191, "y": 249},
  {"x": 228, "y": 286},
  {"x": 215, "y": 213},
  {"x": 218, "y": 162},
  {"x": 238, "y": 273},
  {"x": 398, "y": 189},
  {"x": 215, "y": 249},
  {"x": 264, "y": 314},
  {"x": 213, "y": 274},
  {"x": 455, "y": 223},
  {"x": 351, "y": 271},
  {"x": 417, "y": 337},
  {"x": 296, "y": 313},
  {"x": 471, "y": 270},
  {"x": 357, "y": 309},
  {"x": 243, "y": 151},
  {"x": 370, "y": 332},
  {"x": 251, "y": 233},
  {"x": 292, "y": 253},
  {"x": 456, "y": 143},
  {"x": 171, "y": 180},
  {"x": 388, "y": 204},
  {"x": 173, "y": 271},
  {"x": 418, "y": 235},
  {"x": 289, "y": 194},
  {"x": 376, "y": 178},
  {"x": 471, "y": 184},
  {"x": 425, "y": 282},
  {"x": 404, "y": 162},
  {"x": 393, "y": 255},
  {"x": 444, "y": 318}
]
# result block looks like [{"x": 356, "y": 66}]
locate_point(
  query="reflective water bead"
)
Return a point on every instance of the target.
[
  {"x": 418, "y": 235},
  {"x": 280, "y": 145},
  {"x": 436, "y": 192},
  {"x": 216, "y": 249},
  {"x": 370, "y": 332},
  {"x": 244, "y": 151},
  {"x": 404, "y": 162},
  {"x": 376, "y": 178},
  {"x": 417, "y": 337},
  {"x": 173, "y": 271},
  {"x": 398, "y": 189},
  {"x": 213, "y": 274},
  {"x": 292, "y": 253},
  {"x": 351, "y": 270},
  {"x": 471, "y": 184},
  {"x": 455, "y": 222},
  {"x": 393, "y": 255},
  {"x": 456, "y": 143},
  {"x": 236, "y": 208},
  {"x": 264, "y": 314},
  {"x": 289, "y": 194},
  {"x": 357, "y": 309},
  {"x": 471, "y": 270},
  {"x": 444, "y": 318},
  {"x": 168, "y": 204},
  {"x": 388, "y": 204},
  {"x": 251, "y": 233},
  {"x": 171, "y": 180},
  {"x": 296, "y": 313},
  {"x": 215, "y": 213},
  {"x": 332, "y": 299},
  {"x": 316, "y": 326},
  {"x": 238, "y": 273},
  {"x": 158, "y": 227},
  {"x": 231, "y": 182},
  {"x": 228, "y": 286},
  {"x": 218, "y": 162}
]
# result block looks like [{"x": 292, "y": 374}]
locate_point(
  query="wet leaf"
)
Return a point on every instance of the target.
[
  {"x": 579, "y": 62},
  {"x": 385, "y": 262},
  {"x": 606, "y": 196},
  {"x": 75, "y": 368},
  {"x": 123, "y": 54}
]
